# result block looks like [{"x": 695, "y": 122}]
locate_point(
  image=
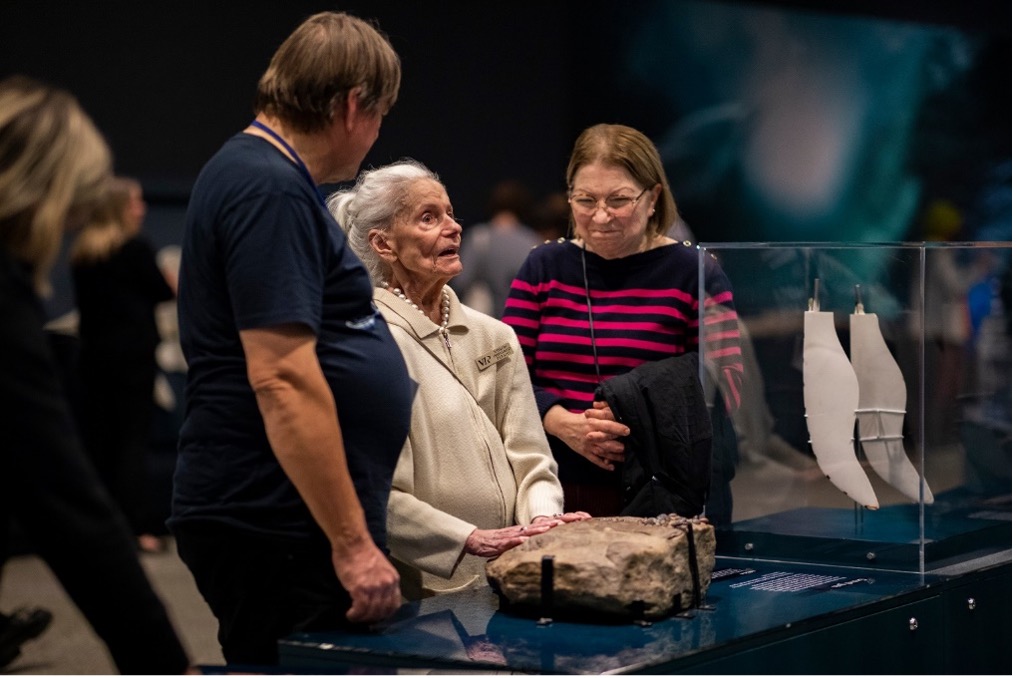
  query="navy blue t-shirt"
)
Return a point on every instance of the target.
[{"x": 261, "y": 250}]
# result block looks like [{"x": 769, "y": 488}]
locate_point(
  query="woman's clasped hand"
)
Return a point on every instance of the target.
[{"x": 592, "y": 433}]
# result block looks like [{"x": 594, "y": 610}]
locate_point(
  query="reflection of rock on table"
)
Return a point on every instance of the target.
[{"x": 787, "y": 617}]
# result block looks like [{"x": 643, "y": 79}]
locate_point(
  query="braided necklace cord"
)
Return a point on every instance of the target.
[{"x": 445, "y": 305}]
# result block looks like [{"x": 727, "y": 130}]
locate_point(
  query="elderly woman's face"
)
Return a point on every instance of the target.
[
  {"x": 425, "y": 238},
  {"x": 610, "y": 209}
]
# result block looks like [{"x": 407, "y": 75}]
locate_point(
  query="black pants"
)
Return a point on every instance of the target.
[
  {"x": 50, "y": 488},
  {"x": 55, "y": 496},
  {"x": 262, "y": 590},
  {"x": 117, "y": 427}
]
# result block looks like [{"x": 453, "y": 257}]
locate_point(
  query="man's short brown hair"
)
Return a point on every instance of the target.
[{"x": 317, "y": 66}]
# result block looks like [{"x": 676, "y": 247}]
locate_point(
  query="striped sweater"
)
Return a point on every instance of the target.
[{"x": 645, "y": 307}]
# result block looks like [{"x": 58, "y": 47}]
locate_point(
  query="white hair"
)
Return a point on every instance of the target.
[{"x": 374, "y": 202}]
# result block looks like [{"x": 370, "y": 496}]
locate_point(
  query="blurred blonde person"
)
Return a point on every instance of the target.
[
  {"x": 54, "y": 170},
  {"x": 118, "y": 284}
]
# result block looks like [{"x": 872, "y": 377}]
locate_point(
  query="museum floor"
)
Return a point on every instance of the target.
[{"x": 70, "y": 647}]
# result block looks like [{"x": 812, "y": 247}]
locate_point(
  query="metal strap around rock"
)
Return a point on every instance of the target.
[
  {"x": 546, "y": 590},
  {"x": 697, "y": 593}
]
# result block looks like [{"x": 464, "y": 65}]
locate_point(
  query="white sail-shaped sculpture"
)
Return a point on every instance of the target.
[
  {"x": 882, "y": 398},
  {"x": 831, "y": 398}
]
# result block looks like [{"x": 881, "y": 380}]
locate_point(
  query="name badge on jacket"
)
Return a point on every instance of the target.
[{"x": 494, "y": 357}]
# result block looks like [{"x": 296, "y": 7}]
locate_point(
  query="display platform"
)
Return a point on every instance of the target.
[
  {"x": 790, "y": 615},
  {"x": 959, "y": 522}
]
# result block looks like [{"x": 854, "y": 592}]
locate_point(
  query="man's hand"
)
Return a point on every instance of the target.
[
  {"x": 371, "y": 581},
  {"x": 303, "y": 428}
]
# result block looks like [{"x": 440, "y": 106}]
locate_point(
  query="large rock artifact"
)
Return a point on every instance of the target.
[{"x": 607, "y": 569}]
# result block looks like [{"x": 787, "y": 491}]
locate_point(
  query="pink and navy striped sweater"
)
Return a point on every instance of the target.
[{"x": 645, "y": 307}]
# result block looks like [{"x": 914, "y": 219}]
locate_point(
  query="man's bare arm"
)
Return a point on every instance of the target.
[{"x": 303, "y": 428}]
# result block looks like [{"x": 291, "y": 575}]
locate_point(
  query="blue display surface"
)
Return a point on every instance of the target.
[
  {"x": 467, "y": 631},
  {"x": 958, "y": 523}
]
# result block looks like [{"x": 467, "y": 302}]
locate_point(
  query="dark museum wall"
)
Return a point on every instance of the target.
[
  {"x": 777, "y": 120},
  {"x": 484, "y": 90}
]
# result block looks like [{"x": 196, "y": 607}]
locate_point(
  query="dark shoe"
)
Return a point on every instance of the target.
[{"x": 18, "y": 627}]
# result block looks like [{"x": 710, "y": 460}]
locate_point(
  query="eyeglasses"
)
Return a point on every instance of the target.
[{"x": 615, "y": 205}]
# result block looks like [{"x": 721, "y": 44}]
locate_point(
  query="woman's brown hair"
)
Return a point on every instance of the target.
[{"x": 631, "y": 150}]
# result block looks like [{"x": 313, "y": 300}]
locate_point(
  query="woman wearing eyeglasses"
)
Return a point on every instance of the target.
[{"x": 620, "y": 293}]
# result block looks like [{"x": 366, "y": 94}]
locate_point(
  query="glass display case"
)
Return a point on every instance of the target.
[
  {"x": 860, "y": 487},
  {"x": 873, "y": 418}
]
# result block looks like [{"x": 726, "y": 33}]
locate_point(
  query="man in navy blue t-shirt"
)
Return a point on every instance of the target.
[{"x": 298, "y": 400}]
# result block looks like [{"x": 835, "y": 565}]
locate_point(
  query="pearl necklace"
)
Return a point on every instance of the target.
[{"x": 446, "y": 303}]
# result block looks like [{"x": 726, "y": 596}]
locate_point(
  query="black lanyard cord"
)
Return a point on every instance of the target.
[{"x": 589, "y": 314}]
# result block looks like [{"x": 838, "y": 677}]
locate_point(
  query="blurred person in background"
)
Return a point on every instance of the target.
[
  {"x": 54, "y": 171},
  {"x": 551, "y": 216},
  {"x": 118, "y": 284},
  {"x": 493, "y": 251}
]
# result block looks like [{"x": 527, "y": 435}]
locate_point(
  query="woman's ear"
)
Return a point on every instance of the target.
[
  {"x": 380, "y": 243},
  {"x": 657, "y": 190}
]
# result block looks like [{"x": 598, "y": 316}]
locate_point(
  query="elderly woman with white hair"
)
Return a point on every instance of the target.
[{"x": 476, "y": 476}]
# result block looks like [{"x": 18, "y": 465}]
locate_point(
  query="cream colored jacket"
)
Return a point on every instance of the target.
[{"x": 476, "y": 456}]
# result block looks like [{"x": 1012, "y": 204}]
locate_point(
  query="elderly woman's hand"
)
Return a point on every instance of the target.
[
  {"x": 593, "y": 434},
  {"x": 491, "y": 543}
]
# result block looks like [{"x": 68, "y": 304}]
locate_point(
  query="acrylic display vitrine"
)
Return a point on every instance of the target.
[
  {"x": 874, "y": 423},
  {"x": 880, "y": 521}
]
